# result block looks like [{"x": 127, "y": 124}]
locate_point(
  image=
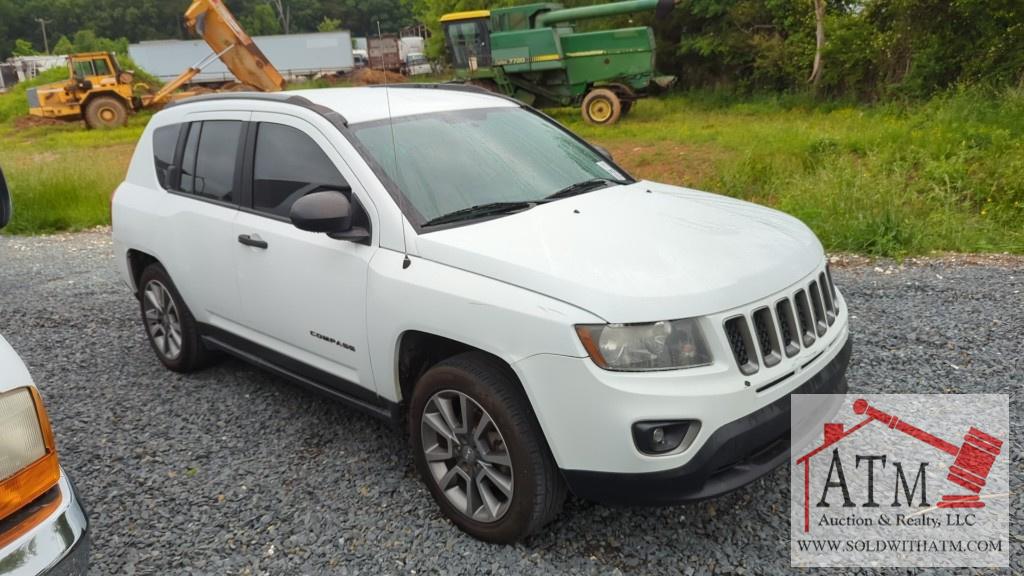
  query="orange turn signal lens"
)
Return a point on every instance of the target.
[
  {"x": 588, "y": 333},
  {"x": 21, "y": 437}
]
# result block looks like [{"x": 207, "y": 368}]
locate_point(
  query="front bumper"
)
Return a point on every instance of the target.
[
  {"x": 49, "y": 537},
  {"x": 733, "y": 456}
]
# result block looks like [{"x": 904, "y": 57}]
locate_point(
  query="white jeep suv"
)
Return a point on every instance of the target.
[{"x": 452, "y": 258}]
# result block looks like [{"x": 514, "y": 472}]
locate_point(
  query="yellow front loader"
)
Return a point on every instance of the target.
[{"x": 103, "y": 94}]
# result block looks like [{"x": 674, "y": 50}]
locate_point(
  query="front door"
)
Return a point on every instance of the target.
[{"x": 302, "y": 294}]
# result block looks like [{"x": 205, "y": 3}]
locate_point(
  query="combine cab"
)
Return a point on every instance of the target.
[
  {"x": 103, "y": 94},
  {"x": 534, "y": 53}
]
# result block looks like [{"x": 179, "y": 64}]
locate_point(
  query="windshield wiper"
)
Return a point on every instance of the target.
[
  {"x": 479, "y": 211},
  {"x": 582, "y": 187}
]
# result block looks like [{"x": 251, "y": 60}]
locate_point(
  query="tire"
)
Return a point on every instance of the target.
[
  {"x": 534, "y": 489},
  {"x": 601, "y": 107},
  {"x": 627, "y": 105},
  {"x": 165, "y": 313},
  {"x": 106, "y": 112}
]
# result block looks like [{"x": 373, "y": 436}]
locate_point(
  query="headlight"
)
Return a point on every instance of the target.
[
  {"x": 28, "y": 458},
  {"x": 668, "y": 345}
]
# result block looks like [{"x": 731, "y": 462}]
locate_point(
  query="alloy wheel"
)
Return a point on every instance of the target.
[
  {"x": 162, "y": 320},
  {"x": 467, "y": 456}
]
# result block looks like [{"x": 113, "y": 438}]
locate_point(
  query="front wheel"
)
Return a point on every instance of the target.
[
  {"x": 602, "y": 106},
  {"x": 480, "y": 451},
  {"x": 106, "y": 112}
]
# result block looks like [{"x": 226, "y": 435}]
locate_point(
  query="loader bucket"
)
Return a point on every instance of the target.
[{"x": 212, "y": 21}]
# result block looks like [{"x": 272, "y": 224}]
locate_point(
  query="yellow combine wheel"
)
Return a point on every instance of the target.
[
  {"x": 602, "y": 106},
  {"x": 106, "y": 112}
]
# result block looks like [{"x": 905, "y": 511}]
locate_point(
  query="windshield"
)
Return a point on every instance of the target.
[{"x": 450, "y": 161}]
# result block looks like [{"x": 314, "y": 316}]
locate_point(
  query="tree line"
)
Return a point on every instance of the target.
[
  {"x": 136, "y": 20},
  {"x": 864, "y": 49}
]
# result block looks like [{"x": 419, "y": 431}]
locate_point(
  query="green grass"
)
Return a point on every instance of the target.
[
  {"x": 945, "y": 175},
  {"x": 61, "y": 176}
]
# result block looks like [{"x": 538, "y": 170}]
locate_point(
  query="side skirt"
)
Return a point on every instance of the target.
[{"x": 300, "y": 373}]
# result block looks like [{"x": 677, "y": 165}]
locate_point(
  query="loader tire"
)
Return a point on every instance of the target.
[
  {"x": 106, "y": 112},
  {"x": 602, "y": 107}
]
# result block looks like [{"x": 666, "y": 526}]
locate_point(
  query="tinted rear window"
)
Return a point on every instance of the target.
[
  {"x": 165, "y": 143},
  {"x": 209, "y": 160}
]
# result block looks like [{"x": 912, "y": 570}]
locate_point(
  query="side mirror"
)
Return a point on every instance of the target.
[
  {"x": 329, "y": 212},
  {"x": 603, "y": 151},
  {"x": 5, "y": 201}
]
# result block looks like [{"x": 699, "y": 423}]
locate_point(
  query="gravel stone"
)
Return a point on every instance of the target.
[{"x": 234, "y": 471}]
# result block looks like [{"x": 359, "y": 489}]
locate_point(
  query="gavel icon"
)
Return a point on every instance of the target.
[{"x": 972, "y": 461}]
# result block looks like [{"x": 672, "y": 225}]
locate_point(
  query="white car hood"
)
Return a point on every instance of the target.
[
  {"x": 13, "y": 373},
  {"x": 637, "y": 253}
]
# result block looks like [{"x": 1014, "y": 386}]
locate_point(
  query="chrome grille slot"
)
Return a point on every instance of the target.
[
  {"x": 819, "y": 310},
  {"x": 787, "y": 325},
  {"x": 738, "y": 333},
  {"x": 826, "y": 295},
  {"x": 767, "y": 337},
  {"x": 804, "y": 320},
  {"x": 832, "y": 289}
]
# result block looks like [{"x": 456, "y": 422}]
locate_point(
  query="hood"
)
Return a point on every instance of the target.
[
  {"x": 13, "y": 373},
  {"x": 637, "y": 253}
]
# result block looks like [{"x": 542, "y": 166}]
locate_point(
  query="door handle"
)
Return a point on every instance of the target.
[{"x": 250, "y": 241}]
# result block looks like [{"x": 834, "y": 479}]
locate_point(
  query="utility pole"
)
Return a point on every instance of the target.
[{"x": 46, "y": 42}]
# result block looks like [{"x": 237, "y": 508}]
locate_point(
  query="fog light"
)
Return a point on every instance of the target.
[{"x": 659, "y": 437}]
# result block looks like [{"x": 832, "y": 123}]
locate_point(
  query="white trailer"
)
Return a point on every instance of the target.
[{"x": 296, "y": 56}]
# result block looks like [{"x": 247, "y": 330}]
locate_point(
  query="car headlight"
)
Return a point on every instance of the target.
[
  {"x": 668, "y": 345},
  {"x": 28, "y": 457}
]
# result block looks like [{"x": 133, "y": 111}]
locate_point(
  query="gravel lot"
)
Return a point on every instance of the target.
[{"x": 234, "y": 471}]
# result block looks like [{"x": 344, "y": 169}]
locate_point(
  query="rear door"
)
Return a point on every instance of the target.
[
  {"x": 204, "y": 187},
  {"x": 302, "y": 293}
]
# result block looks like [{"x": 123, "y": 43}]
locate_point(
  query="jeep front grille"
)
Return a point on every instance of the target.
[{"x": 761, "y": 338}]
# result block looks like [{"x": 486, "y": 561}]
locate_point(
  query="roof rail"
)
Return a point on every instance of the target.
[
  {"x": 454, "y": 86},
  {"x": 280, "y": 97}
]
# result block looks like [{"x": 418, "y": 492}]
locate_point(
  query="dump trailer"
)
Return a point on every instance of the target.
[
  {"x": 534, "y": 53},
  {"x": 385, "y": 53},
  {"x": 101, "y": 92}
]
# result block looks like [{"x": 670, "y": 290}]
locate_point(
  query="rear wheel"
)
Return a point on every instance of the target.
[
  {"x": 627, "y": 105},
  {"x": 169, "y": 324},
  {"x": 602, "y": 106},
  {"x": 480, "y": 451},
  {"x": 106, "y": 112}
]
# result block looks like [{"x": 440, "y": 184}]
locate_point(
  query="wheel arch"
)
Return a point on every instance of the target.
[
  {"x": 94, "y": 94},
  {"x": 137, "y": 262},
  {"x": 418, "y": 351}
]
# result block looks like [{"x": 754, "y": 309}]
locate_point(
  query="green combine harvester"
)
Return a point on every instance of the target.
[{"x": 533, "y": 53}]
